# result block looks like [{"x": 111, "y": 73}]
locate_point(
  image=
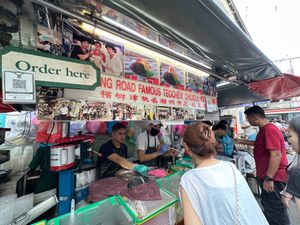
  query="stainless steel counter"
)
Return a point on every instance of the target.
[{"x": 9, "y": 187}]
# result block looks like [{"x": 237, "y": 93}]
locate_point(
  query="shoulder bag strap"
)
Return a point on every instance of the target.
[{"x": 237, "y": 202}]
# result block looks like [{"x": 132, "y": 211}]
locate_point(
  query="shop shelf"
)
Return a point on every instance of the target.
[
  {"x": 107, "y": 211},
  {"x": 152, "y": 212}
]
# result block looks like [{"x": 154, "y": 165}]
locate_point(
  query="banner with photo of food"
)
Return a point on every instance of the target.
[
  {"x": 209, "y": 86},
  {"x": 171, "y": 76},
  {"x": 195, "y": 83},
  {"x": 140, "y": 67}
]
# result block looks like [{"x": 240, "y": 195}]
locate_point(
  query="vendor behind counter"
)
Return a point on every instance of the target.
[
  {"x": 114, "y": 153},
  {"x": 149, "y": 148},
  {"x": 225, "y": 142}
]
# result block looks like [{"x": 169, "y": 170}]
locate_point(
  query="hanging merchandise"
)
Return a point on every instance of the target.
[
  {"x": 96, "y": 127},
  {"x": 8, "y": 24},
  {"x": 49, "y": 132},
  {"x": 22, "y": 129}
]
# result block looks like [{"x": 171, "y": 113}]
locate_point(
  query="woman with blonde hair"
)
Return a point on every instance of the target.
[{"x": 214, "y": 192}]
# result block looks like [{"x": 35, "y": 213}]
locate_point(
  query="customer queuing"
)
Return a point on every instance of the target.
[
  {"x": 292, "y": 190},
  {"x": 214, "y": 192},
  {"x": 271, "y": 163}
]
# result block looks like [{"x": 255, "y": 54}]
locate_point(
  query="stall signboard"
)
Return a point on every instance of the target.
[
  {"x": 125, "y": 90},
  {"x": 118, "y": 98},
  {"x": 50, "y": 70},
  {"x": 119, "y": 89}
]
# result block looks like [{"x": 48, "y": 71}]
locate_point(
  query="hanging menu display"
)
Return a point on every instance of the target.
[{"x": 135, "y": 84}]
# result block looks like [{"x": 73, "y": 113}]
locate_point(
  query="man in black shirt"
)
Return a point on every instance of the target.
[
  {"x": 114, "y": 154},
  {"x": 81, "y": 52}
]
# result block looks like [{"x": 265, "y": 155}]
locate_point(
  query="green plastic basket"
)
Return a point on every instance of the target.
[
  {"x": 182, "y": 164},
  {"x": 107, "y": 211},
  {"x": 144, "y": 211},
  {"x": 175, "y": 168},
  {"x": 171, "y": 183},
  {"x": 185, "y": 162}
]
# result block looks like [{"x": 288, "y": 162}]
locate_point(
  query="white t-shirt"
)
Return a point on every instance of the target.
[
  {"x": 211, "y": 191},
  {"x": 115, "y": 65},
  {"x": 142, "y": 142},
  {"x": 64, "y": 110},
  {"x": 249, "y": 131}
]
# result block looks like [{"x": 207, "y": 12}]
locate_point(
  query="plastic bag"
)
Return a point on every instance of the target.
[
  {"x": 96, "y": 127},
  {"x": 49, "y": 132}
]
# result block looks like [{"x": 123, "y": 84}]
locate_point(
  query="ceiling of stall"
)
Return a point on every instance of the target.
[
  {"x": 237, "y": 95},
  {"x": 202, "y": 26}
]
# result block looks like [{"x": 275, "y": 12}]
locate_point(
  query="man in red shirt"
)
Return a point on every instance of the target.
[{"x": 271, "y": 163}]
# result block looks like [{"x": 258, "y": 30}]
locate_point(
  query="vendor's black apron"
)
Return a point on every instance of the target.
[
  {"x": 150, "y": 150},
  {"x": 107, "y": 169}
]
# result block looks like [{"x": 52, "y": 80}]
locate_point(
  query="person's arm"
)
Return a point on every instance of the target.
[
  {"x": 143, "y": 157},
  {"x": 273, "y": 145},
  {"x": 84, "y": 56},
  {"x": 124, "y": 163},
  {"x": 244, "y": 142},
  {"x": 274, "y": 162},
  {"x": 275, "y": 158},
  {"x": 189, "y": 214}
]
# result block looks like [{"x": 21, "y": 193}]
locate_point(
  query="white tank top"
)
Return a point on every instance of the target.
[{"x": 211, "y": 191}]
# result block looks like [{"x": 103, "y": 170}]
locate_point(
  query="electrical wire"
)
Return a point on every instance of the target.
[{"x": 50, "y": 133}]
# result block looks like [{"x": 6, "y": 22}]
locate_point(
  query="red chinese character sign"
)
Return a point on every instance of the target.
[
  {"x": 117, "y": 89},
  {"x": 134, "y": 100}
]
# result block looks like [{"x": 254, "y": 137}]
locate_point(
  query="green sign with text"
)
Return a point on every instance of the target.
[{"x": 51, "y": 70}]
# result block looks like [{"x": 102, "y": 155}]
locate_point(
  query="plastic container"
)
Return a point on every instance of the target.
[
  {"x": 146, "y": 212},
  {"x": 176, "y": 168},
  {"x": 23, "y": 205},
  {"x": 166, "y": 217},
  {"x": 184, "y": 164},
  {"x": 108, "y": 211},
  {"x": 43, "y": 222},
  {"x": 7, "y": 206},
  {"x": 171, "y": 183}
]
